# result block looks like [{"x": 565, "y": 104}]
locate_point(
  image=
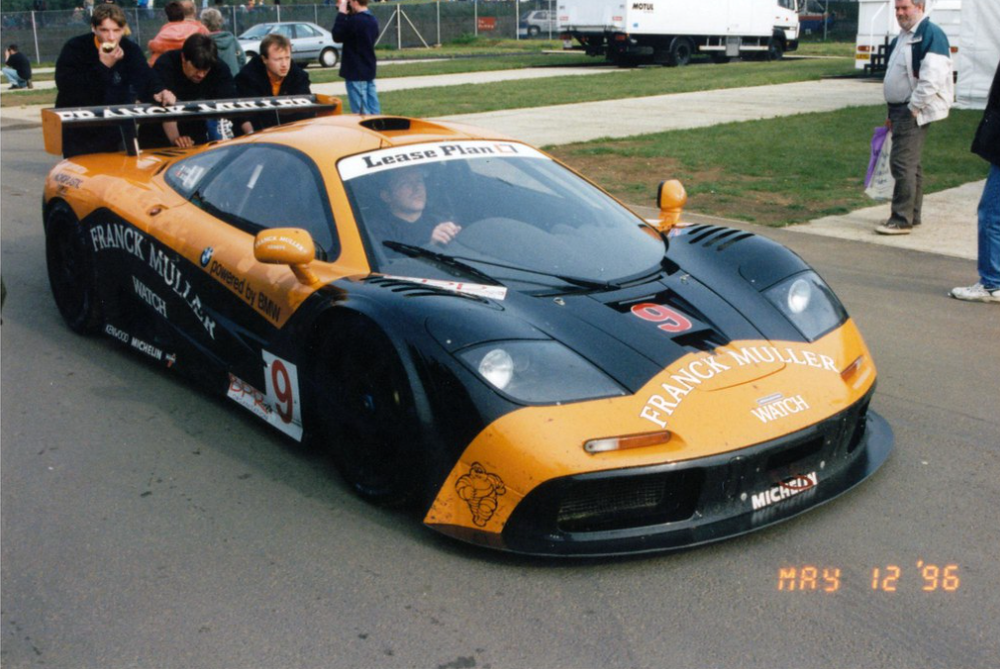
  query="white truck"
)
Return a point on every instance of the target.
[
  {"x": 877, "y": 27},
  {"x": 631, "y": 32}
]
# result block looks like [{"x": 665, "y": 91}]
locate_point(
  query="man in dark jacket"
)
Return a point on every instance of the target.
[
  {"x": 357, "y": 29},
  {"x": 987, "y": 145},
  {"x": 193, "y": 72},
  {"x": 18, "y": 68},
  {"x": 273, "y": 73},
  {"x": 103, "y": 67}
]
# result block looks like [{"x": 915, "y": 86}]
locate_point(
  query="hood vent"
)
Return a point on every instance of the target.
[
  {"x": 410, "y": 289},
  {"x": 713, "y": 235}
]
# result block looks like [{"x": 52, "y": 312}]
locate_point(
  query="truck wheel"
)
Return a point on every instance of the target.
[
  {"x": 681, "y": 50},
  {"x": 533, "y": 31},
  {"x": 775, "y": 49}
]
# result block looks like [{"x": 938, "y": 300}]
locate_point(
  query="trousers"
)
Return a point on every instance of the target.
[
  {"x": 363, "y": 97},
  {"x": 989, "y": 231},
  {"x": 907, "y": 146}
]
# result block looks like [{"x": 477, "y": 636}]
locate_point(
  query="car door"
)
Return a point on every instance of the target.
[
  {"x": 308, "y": 42},
  {"x": 261, "y": 186}
]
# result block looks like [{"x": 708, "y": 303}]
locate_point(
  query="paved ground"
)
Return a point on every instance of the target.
[{"x": 951, "y": 215}]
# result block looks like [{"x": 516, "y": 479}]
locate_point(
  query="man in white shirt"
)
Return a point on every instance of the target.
[{"x": 919, "y": 89}]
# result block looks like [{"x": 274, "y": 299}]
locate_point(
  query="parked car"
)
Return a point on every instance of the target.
[
  {"x": 538, "y": 22},
  {"x": 310, "y": 42}
]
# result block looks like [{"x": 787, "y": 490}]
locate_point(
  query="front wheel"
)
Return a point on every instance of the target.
[
  {"x": 329, "y": 58},
  {"x": 368, "y": 416},
  {"x": 71, "y": 269},
  {"x": 775, "y": 50}
]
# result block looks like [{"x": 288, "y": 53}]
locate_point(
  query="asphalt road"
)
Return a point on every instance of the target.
[{"x": 145, "y": 524}]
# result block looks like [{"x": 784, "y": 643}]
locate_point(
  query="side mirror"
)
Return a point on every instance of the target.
[
  {"x": 671, "y": 198},
  {"x": 287, "y": 246}
]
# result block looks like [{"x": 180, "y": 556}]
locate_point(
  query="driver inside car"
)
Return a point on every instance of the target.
[{"x": 406, "y": 217}]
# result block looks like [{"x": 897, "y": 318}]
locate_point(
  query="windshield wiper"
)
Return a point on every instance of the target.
[
  {"x": 442, "y": 259},
  {"x": 571, "y": 280}
]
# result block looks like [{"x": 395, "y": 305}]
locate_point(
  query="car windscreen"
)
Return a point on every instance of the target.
[{"x": 503, "y": 207}]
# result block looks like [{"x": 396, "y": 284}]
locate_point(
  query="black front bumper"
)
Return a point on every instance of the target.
[{"x": 684, "y": 504}]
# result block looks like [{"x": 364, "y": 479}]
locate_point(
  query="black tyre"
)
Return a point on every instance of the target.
[
  {"x": 775, "y": 49},
  {"x": 329, "y": 58},
  {"x": 367, "y": 415},
  {"x": 72, "y": 273},
  {"x": 533, "y": 31},
  {"x": 681, "y": 50}
]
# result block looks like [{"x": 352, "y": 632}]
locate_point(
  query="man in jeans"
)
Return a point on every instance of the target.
[
  {"x": 987, "y": 145},
  {"x": 357, "y": 30},
  {"x": 919, "y": 89},
  {"x": 17, "y": 68}
]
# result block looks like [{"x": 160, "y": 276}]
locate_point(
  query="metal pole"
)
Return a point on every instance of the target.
[
  {"x": 517, "y": 20},
  {"x": 826, "y": 19},
  {"x": 399, "y": 29},
  {"x": 475, "y": 17},
  {"x": 316, "y": 14},
  {"x": 439, "y": 22},
  {"x": 138, "y": 35},
  {"x": 34, "y": 31}
]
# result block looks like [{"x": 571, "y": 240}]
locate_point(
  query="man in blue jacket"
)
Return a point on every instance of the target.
[
  {"x": 919, "y": 89},
  {"x": 357, "y": 29}
]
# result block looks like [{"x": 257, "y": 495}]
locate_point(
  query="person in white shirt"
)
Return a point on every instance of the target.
[{"x": 919, "y": 89}]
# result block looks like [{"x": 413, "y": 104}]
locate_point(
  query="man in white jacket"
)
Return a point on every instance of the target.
[{"x": 919, "y": 89}]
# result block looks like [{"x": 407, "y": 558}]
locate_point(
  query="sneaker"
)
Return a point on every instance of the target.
[
  {"x": 891, "y": 228},
  {"x": 976, "y": 293}
]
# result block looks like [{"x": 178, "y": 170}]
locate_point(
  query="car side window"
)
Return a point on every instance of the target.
[
  {"x": 306, "y": 31},
  {"x": 271, "y": 186},
  {"x": 287, "y": 31},
  {"x": 188, "y": 175}
]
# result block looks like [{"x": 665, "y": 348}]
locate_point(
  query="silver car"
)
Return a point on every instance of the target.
[{"x": 309, "y": 41}]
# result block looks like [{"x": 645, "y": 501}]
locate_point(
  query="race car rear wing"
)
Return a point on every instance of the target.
[{"x": 128, "y": 117}]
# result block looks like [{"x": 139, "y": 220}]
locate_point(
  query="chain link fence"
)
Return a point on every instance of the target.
[{"x": 40, "y": 35}]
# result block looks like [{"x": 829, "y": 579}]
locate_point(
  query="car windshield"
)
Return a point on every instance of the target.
[
  {"x": 501, "y": 207},
  {"x": 259, "y": 30}
]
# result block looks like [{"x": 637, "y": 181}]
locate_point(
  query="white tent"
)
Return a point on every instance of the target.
[{"x": 978, "y": 52}]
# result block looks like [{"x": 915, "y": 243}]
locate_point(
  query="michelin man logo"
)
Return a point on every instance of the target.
[{"x": 480, "y": 490}]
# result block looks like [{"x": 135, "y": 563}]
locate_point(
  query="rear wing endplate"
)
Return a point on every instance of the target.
[{"x": 128, "y": 117}]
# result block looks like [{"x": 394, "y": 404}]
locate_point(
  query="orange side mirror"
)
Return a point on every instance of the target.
[{"x": 671, "y": 198}]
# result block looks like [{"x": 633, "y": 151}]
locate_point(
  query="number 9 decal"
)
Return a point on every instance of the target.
[
  {"x": 282, "y": 380},
  {"x": 669, "y": 320}
]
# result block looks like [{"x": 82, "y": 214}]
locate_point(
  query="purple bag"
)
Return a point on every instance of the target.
[{"x": 878, "y": 139}]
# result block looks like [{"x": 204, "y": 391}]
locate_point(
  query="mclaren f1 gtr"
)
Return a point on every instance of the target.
[{"x": 470, "y": 327}]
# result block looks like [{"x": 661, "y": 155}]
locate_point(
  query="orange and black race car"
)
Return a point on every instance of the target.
[{"x": 470, "y": 327}]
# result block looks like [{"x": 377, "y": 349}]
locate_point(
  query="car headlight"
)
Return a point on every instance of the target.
[
  {"x": 808, "y": 303},
  {"x": 539, "y": 372}
]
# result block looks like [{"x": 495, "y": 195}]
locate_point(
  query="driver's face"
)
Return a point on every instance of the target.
[{"x": 406, "y": 194}]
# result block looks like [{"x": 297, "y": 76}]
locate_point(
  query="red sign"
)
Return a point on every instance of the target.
[{"x": 487, "y": 23}]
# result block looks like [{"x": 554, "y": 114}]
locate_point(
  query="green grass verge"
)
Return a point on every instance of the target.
[
  {"x": 774, "y": 172},
  {"x": 614, "y": 85}
]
